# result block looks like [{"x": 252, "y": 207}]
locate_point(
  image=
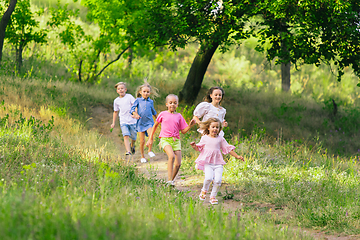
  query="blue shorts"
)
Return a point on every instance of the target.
[{"x": 129, "y": 130}]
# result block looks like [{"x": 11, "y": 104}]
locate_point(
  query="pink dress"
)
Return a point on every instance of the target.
[{"x": 210, "y": 151}]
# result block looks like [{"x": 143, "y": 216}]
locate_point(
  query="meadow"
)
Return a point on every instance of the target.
[{"x": 61, "y": 180}]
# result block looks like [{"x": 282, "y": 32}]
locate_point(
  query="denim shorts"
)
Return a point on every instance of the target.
[{"x": 129, "y": 130}]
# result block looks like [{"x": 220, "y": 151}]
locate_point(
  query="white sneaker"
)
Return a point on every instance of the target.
[
  {"x": 143, "y": 160},
  {"x": 172, "y": 183},
  {"x": 151, "y": 154}
]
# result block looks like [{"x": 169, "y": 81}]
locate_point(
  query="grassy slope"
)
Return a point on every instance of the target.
[
  {"x": 288, "y": 139},
  {"x": 60, "y": 180}
]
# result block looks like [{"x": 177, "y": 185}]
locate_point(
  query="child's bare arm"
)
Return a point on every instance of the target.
[
  {"x": 151, "y": 136},
  {"x": 115, "y": 114},
  {"x": 196, "y": 119},
  {"x": 192, "y": 123},
  {"x": 193, "y": 145},
  {"x": 234, "y": 154}
]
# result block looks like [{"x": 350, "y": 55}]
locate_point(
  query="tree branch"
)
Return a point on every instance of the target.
[
  {"x": 116, "y": 59},
  {"x": 80, "y": 64}
]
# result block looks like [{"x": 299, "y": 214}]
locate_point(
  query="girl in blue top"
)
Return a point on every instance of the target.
[{"x": 143, "y": 110}]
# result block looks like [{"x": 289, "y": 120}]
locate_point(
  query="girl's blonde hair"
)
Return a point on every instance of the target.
[
  {"x": 208, "y": 99},
  {"x": 204, "y": 126},
  {"x": 120, "y": 83},
  {"x": 153, "y": 90}
]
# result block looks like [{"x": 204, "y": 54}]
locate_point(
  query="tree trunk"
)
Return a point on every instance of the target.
[
  {"x": 19, "y": 58},
  {"x": 130, "y": 58},
  {"x": 285, "y": 67},
  {"x": 4, "y": 22},
  {"x": 285, "y": 76},
  {"x": 197, "y": 71}
]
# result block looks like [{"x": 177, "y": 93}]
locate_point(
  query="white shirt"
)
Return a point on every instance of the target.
[
  {"x": 123, "y": 105},
  {"x": 206, "y": 110}
]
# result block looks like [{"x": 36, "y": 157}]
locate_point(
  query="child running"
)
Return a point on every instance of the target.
[
  {"x": 211, "y": 107},
  {"x": 143, "y": 110},
  {"x": 171, "y": 123},
  {"x": 210, "y": 159},
  {"x": 122, "y": 106}
]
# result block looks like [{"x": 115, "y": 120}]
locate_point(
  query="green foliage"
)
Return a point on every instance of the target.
[
  {"x": 303, "y": 32},
  {"x": 23, "y": 28}
]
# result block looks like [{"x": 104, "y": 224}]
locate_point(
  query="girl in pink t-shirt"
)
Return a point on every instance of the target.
[
  {"x": 210, "y": 159},
  {"x": 171, "y": 123}
]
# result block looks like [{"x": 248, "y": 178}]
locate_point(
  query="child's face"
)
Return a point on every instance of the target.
[
  {"x": 145, "y": 92},
  {"x": 216, "y": 96},
  {"x": 121, "y": 90},
  {"x": 172, "y": 103},
  {"x": 214, "y": 129}
]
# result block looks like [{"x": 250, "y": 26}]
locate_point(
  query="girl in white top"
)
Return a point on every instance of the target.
[{"x": 211, "y": 108}]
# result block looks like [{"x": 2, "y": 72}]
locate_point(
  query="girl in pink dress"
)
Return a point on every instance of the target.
[{"x": 210, "y": 159}]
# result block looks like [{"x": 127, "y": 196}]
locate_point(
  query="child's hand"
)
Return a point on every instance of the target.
[
  {"x": 239, "y": 157},
  {"x": 225, "y": 123},
  {"x": 149, "y": 143},
  {"x": 192, "y": 122},
  {"x": 192, "y": 144},
  {"x": 112, "y": 125},
  {"x": 136, "y": 116}
]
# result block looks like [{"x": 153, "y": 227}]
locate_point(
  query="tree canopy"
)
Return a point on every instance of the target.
[{"x": 313, "y": 32}]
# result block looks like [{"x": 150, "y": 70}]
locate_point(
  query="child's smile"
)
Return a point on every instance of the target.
[
  {"x": 145, "y": 92},
  {"x": 172, "y": 104},
  {"x": 216, "y": 96},
  {"x": 214, "y": 129},
  {"x": 121, "y": 90}
]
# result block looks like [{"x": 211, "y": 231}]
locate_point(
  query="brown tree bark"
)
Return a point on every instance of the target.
[
  {"x": 285, "y": 70},
  {"x": 197, "y": 71},
  {"x": 285, "y": 76},
  {"x": 4, "y": 22}
]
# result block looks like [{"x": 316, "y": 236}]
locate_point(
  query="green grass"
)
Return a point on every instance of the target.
[
  {"x": 51, "y": 188},
  {"x": 321, "y": 191},
  {"x": 60, "y": 180}
]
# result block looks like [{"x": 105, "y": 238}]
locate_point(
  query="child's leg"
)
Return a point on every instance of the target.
[
  {"x": 170, "y": 153},
  {"x": 149, "y": 131},
  {"x": 177, "y": 164},
  {"x": 133, "y": 136},
  {"x": 218, "y": 170},
  {"x": 127, "y": 143},
  {"x": 209, "y": 174},
  {"x": 142, "y": 143},
  {"x": 132, "y": 143}
]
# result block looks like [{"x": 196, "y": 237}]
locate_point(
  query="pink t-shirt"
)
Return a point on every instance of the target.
[{"x": 171, "y": 124}]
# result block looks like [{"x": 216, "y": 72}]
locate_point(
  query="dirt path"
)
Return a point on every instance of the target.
[{"x": 157, "y": 167}]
